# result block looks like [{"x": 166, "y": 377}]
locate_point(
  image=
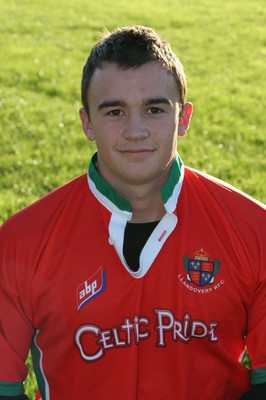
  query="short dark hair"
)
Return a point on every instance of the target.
[{"x": 131, "y": 47}]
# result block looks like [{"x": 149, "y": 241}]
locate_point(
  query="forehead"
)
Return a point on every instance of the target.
[{"x": 150, "y": 79}]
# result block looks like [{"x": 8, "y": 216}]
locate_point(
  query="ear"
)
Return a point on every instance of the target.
[
  {"x": 185, "y": 118},
  {"x": 86, "y": 124}
]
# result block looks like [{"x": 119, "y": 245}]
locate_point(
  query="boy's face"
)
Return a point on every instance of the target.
[{"x": 134, "y": 120}]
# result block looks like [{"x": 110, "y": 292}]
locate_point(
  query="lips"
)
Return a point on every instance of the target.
[{"x": 136, "y": 151}]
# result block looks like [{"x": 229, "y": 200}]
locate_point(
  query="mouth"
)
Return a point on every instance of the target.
[
  {"x": 136, "y": 154},
  {"x": 136, "y": 151}
]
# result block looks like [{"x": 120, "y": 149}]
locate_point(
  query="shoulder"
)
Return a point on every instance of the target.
[
  {"x": 26, "y": 235},
  {"x": 39, "y": 215},
  {"x": 224, "y": 199},
  {"x": 216, "y": 187},
  {"x": 238, "y": 219}
]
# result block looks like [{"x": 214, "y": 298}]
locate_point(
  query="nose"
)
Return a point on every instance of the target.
[{"x": 135, "y": 127}]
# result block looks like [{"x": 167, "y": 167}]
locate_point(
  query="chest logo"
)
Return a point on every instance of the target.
[
  {"x": 91, "y": 288},
  {"x": 200, "y": 270}
]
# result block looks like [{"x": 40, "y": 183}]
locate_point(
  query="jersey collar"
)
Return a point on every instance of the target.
[{"x": 112, "y": 200}]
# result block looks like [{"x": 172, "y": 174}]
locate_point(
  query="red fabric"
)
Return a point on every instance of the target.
[{"x": 157, "y": 337}]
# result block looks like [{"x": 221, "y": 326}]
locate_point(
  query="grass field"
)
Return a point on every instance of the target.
[{"x": 44, "y": 46}]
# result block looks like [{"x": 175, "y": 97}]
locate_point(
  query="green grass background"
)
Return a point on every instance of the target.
[{"x": 44, "y": 45}]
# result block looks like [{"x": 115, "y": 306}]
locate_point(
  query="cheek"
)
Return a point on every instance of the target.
[
  {"x": 105, "y": 143},
  {"x": 102, "y": 145},
  {"x": 168, "y": 137},
  {"x": 168, "y": 126}
]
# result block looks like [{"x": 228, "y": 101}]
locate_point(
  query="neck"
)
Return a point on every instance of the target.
[
  {"x": 147, "y": 215},
  {"x": 145, "y": 197},
  {"x": 147, "y": 206},
  {"x": 145, "y": 200}
]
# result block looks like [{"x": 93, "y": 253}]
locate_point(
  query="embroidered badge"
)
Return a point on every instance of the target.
[{"x": 200, "y": 270}]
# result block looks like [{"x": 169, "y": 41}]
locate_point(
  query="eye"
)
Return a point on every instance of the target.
[
  {"x": 155, "y": 110},
  {"x": 115, "y": 113}
]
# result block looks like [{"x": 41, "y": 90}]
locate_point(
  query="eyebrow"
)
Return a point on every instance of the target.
[
  {"x": 158, "y": 100},
  {"x": 111, "y": 103},
  {"x": 147, "y": 102}
]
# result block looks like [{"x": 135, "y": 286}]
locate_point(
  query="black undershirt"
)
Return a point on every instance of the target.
[{"x": 136, "y": 235}]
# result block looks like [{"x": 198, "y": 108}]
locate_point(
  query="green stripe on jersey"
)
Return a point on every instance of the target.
[
  {"x": 11, "y": 388},
  {"x": 258, "y": 376},
  {"x": 168, "y": 188},
  {"x": 111, "y": 194},
  {"x": 104, "y": 188},
  {"x": 37, "y": 363}
]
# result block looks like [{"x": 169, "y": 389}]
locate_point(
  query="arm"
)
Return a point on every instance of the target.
[
  {"x": 16, "y": 330},
  {"x": 256, "y": 336},
  {"x": 15, "y": 338}
]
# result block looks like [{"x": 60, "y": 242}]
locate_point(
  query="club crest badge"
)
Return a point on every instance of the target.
[{"x": 200, "y": 270}]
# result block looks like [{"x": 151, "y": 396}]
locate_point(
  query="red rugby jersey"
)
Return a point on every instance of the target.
[{"x": 177, "y": 328}]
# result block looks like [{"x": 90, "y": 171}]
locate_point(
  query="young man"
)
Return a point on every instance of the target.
[{"x": 144, "y": 279}]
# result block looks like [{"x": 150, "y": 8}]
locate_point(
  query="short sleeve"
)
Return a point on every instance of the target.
[
  {"x": 256, "y": 314},
  {"x": 16, "y": 330}
]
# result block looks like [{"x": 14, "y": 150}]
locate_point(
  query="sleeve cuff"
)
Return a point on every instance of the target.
[
  {"x": 11, "y": 388},
  {"x": 258, "y": 376}
]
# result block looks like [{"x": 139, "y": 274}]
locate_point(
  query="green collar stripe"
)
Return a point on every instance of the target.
[
  {"x": 11, "y": 388},
  {"x": 108, "y": 192},
  {"x": 258, "y": 376},
  {"x": 105, "y": 189},
  {"x": 168, "y": 188}
]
